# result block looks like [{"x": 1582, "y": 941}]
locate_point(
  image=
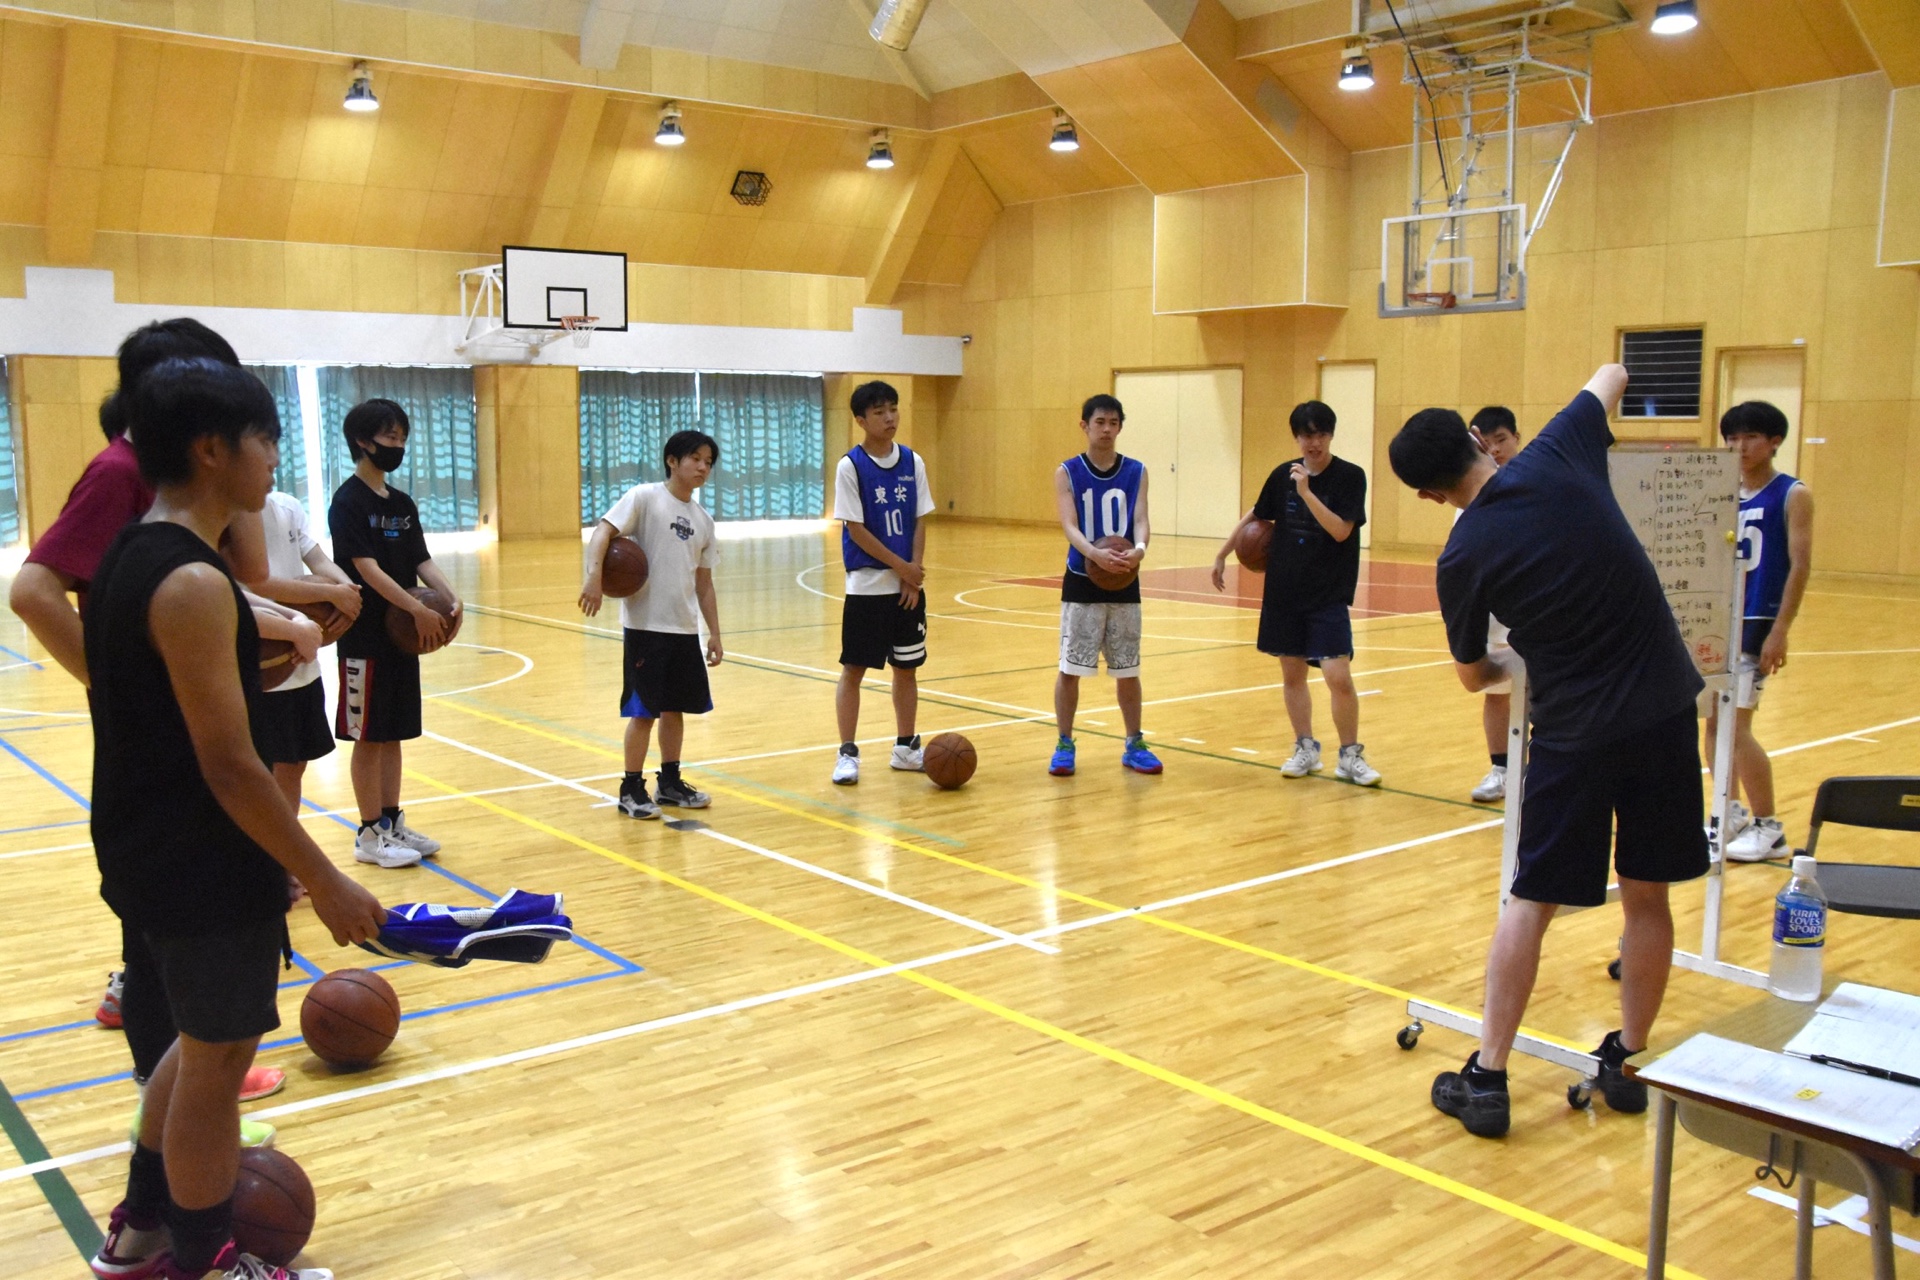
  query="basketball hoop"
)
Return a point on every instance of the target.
[
  {"x": 581, "y": 328},
  {"x": 1439, "y": 301}
]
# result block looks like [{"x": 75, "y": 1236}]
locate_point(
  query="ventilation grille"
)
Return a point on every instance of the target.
[{"x": 1663, "y": 373}]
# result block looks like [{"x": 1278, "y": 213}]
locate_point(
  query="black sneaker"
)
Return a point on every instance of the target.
[
  {"x": 1622, "y": 1094},
  {"x": 634, "y": 801},
  {"x": 677, "y": 794},
  {"x": 1483, "y": 1108}
]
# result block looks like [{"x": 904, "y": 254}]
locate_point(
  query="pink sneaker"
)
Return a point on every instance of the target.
[
  {"x": 262, "y": 1082},
  {"x": 129, "y": 1253},
  {"x": 231, "y": 1264}
]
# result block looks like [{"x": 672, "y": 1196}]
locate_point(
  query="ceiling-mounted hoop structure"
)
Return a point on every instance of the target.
[
  {"x": 1469, "y": 64},
  {"x": 482, "y": 291}
]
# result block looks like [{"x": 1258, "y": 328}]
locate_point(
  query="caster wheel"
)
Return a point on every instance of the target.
[
  {"x": 1613, "y": 969},
  {"x": 1407, "y": 1037},
  {"x": 1579, "y": 1097}
]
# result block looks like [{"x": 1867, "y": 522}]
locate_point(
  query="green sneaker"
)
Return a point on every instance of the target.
[{"x": 253, "y": 1133}]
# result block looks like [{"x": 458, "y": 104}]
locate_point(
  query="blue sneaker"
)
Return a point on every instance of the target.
[
  {"x": 1137, "y": 758},
  {"x": 1061, "y": 766}
]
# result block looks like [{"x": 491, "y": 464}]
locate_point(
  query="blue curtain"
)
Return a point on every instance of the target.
[
  {"x": 442, "y": 447},
  {"x": 9, "y": 472},
  {"x": 283, "y": 381},
  {"x": 625, "y": 419},
  {"x": 772, "y": 436}
]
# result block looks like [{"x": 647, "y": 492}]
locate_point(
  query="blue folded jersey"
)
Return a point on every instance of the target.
[{"x": 520, "y": 927}]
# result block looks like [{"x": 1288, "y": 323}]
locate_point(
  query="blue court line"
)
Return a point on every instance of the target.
[
  {"x": 30, "y": 728},
  {"x": 43, "y": 826},
  {"x": 34, "y": 765},
  {"x": 313, "y": 971},
  {"x": 47, "y": 1031},
  {"x": 15, "y": 653}
]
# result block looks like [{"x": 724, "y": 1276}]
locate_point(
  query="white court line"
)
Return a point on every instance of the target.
[
  {"x": 52, "y": 848},
  {"x": 1844, "y": 737},
  {"x": 526, "y": 665},
  {"x": 798, "y": 864},
  {"x": 1245, "y": 751},
  {"x": 458, "y": 1069}
]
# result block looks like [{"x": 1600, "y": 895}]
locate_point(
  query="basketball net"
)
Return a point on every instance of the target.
[{"x": 581, "y": 328}]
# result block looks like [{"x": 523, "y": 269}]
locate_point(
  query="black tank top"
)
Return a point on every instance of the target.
[{"x": 170, "y": 858}]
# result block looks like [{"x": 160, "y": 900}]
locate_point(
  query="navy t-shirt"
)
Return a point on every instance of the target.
[{"x": 1546, "y": 549}]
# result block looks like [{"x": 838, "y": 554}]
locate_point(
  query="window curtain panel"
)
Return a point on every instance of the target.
[
  {"x": 9, "y": 468},
  {"x": 283, "y": 382},
  {"x": 442, "y": 447},
  {"x": 625, "y": 419},
  {"x": 772, "y": 436}
]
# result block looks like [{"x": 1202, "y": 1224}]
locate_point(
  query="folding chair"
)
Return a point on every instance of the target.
[{"x": 1888, "y": 804}]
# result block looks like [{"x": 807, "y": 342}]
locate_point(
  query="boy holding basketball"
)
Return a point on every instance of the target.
[
  {"x": 1100, "y": 494},
  {"x": 665, "y": 674},
  {"x": 880, "y": 495},
  {"x": 1316, "y": 504},
  {"x": 378, "y": 539},
  {"x": 1542, "y": 543},
  {"x": 1776, "y": 533},
  {"x": 194, "y": 840},
  {"x": 1500, "y": 433}
]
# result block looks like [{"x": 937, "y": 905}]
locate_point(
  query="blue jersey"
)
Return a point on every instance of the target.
[
  {"x": 889, "y": 503},
  {"x": 1105, "y": 503},
  {"x": 1763, "y": 549}
]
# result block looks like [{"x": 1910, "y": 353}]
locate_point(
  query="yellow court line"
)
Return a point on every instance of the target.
[
  {"x": 1294, "y": 962},
  {"x": 1199, "y": 1088}
]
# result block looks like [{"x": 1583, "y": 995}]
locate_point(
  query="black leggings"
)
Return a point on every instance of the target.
[{"x": 145, "y": 1014}]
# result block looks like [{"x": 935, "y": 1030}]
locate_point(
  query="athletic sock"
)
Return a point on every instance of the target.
[
  {"x": 1614, "y": 1051},
  {"x": 369, "y": 822},
  {"x": 199, "y": 1235},
  {"x": 391, "y": 813},
  {"x": 1499, "y": 759},
  {"x": 669, "y": 772},
  {"x": 850, "y": 749},
  {"x": 906, "y": 741},
  {"x": 146, "y": 1189},
  {"x": 1134, "y": 740},
  {"x": 633, "y": 780},
  {"x": 1481, "y": 1077}
]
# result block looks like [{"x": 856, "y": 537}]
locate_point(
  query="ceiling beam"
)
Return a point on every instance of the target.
[
  {"x": 1892, "y": 31},
  {"x": 895, "y": 58},
  {"x": 903, "y": 236},
  {"x": 560, "y": 190},
  {"x": 79, "y": 143},
  {"x": 603, "y": 31}
]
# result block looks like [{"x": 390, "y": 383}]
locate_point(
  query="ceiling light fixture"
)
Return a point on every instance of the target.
[
  {"x": 360, "y": 92},
  {"x": 669, "y": 134},
  {"x": 879, "y": 151},
  {"x": 1674, "y": 17},
  {"x": 1065, "y": 136},
  {"x": 1356, "y": 70}
]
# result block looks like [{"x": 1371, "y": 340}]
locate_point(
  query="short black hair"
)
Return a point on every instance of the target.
[
  {"x": 1312, "y": 418},
  {"x": 682, "y": 444},
  {"x": 1495, "y": 417},
  {"x": 147, "y": 346},
  {"x": 1432, "y": 451},
  {"x": 368, "y": 419},
  {"x": 1095, "y": 404},
  {"x": 1757, "y": 416},
  {"x": 872, "y": 395},
  {"x": 181, "y": 401}
]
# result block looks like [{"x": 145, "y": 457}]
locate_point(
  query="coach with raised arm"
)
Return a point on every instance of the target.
[{"x": 1542, "y": 544}]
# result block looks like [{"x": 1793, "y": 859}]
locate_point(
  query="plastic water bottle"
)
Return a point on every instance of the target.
[{"x": 1799, "y": 935}]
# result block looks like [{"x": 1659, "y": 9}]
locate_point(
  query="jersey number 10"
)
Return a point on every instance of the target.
[
  {"x": 895, "y": 522},
  {"x": 1113, "y": 506}
]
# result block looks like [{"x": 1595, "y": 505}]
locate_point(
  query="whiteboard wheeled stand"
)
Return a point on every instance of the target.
[{"x": 1723, "y": 687}]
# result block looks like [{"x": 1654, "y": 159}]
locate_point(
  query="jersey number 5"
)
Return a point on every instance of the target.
[
  {"x": 1113, "y": 506},
  {"x": 1748, "y": 551}
]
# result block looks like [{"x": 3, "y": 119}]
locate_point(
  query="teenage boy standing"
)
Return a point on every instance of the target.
[{"x": 1500, "y": 433}]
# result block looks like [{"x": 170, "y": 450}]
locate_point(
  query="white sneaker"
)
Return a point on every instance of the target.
[
  {"x": 232, "y": 1264},
  {"x": 1762, "y": 841},
  {"x": 407, "y": 838},
  {"x": 846, "y": 770},
  {"x": 1353, "y": 767},
  {"x": 373, "y": 847},
  {"x": 909, "y": 758},
  {"x": 1738, "y": 820},
  {"x": 1492, "y": 787},
  {"x": 1304, "y": 760}
]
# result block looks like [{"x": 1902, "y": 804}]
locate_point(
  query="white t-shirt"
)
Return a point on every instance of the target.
[
  {"x": 848, "y": 508},
  {"x": 678, "y": 538},
  {"x": 288, "y": 542}
]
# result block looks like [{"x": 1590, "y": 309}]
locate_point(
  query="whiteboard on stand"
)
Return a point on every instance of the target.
[{"x": 1684, "y": 506}]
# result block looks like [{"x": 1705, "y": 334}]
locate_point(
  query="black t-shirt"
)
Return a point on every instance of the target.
[
  {"x": 171, "y": 859},
  {"x": 1546, "y": 549},
  {"x": 386, "y": 531},
  {"x": 1306, "y": 568}
]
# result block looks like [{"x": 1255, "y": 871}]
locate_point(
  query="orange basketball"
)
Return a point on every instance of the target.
[
  {"x": 624, "y": 569},
  {"x": 400, "y": 628},
  {"x": 949, "y": 761},
  {"x": 1250, "y": 543},
  {"x": 332, "y": 623},
  {"x": 272, "y": 1206},
  {"x": 1103, "y": 578},
  {"x": 350, "y": 1017},
  {"x": 277, "y": 661}
]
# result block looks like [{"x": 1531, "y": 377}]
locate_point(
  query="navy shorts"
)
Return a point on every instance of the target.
[
  {"x": 1638, "y": 798},
  {"x": 665, "y": 671},
  {"x": 1312, "y": 634}
]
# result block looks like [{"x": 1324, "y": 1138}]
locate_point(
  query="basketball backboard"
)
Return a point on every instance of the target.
[
  {"x": 540, "y": 287},
  {"x": 1455, "y": 260}
]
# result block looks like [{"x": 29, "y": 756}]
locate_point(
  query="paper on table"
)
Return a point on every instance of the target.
[
  {"x": 1867, "y": 1025},
  {"x": 1844, "y": 1101}
]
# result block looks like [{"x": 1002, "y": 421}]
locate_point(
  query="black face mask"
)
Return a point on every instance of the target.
[{"x": 387, "y": 457}]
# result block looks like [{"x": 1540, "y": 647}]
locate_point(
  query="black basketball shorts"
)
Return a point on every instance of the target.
[
  {"x": 291, "y": 727},
  {"x": 220, "y": 987},
  {"x": 379, "y": 699},
  {"x": 1647, "y": 785},
  {"x": 877, "y": 630},
  {"x": 663, "y": 671}
]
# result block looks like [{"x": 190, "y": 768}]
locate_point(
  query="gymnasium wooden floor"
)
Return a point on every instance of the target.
[{"x": 891, "y": 1031}]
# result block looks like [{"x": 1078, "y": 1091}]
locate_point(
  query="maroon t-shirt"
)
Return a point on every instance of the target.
[{"x": 108, "y": 496}]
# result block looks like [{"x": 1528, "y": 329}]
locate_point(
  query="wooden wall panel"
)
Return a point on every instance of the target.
[
  {"x": 59, "y": 399},
  {"x": 536, "y": 425},
  {"x": 1901, "y": 235}
]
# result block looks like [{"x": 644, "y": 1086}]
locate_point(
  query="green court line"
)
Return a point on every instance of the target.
[{"x": 80, "y": 1226}]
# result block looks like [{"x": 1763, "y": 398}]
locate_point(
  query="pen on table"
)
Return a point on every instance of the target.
[{"x": 1863, "y": 1069}]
